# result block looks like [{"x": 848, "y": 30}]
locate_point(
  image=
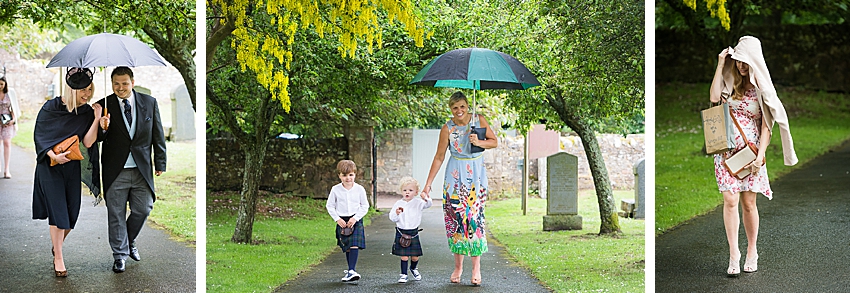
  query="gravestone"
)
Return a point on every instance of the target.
[
  {"x": 640, "y": 190},
  {"x": 561, "y": 193},
  {"x": 182, "y": 115}
]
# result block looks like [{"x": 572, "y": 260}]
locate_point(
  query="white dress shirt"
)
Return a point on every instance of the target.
[
  {"x": 411, "y": 217},
  {"x": 347, "y": 202}
]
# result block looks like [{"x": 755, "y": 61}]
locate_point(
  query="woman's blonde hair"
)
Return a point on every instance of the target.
[
  {"x": 407, "y": 181},
  {"x": 69, "y": 96},
  {"x": 738, "y": 89}
]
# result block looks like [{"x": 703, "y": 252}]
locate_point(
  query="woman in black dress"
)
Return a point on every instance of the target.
[{"x": 57, "y": 191}]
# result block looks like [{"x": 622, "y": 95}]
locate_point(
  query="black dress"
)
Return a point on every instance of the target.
[{"x": 57, "y": 191}]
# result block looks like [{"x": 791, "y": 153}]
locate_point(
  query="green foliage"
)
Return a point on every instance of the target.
[
  {"x": 572, "y": 261},
  {"x": 685, "y": 186},
  {"x": 25, "y": 38},
  {"x": 675, "y": 15},
  {"x": 167, "y": 24}
]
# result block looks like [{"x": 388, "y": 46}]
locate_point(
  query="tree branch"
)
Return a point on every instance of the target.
[{"x": 229, "y": 118}]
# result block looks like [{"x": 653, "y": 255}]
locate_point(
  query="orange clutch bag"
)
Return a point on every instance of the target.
[{"x": 72, "y": 145}]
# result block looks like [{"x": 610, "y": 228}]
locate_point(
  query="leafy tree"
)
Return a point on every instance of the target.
[
  {"x": 589, "y": 55},
  {"x": 717, "y": 8},
  {"x": 739, "y": 15},
  {"x": 282, "y": 45},
  {"x": 25, "y": 38},
  {"x": 167, "y": 24}
]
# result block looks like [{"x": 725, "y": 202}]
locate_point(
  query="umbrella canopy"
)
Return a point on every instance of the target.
[
  {"x": 104, "y": 49},
  {"x": 476, "y": 68}
]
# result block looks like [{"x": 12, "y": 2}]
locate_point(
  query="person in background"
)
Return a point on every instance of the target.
[{"x": 8, "y": 106}]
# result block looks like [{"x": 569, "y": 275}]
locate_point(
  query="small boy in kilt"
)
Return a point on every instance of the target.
[
  {"x": 407, "y": 215},
  {"x": 347, "y": 205}
]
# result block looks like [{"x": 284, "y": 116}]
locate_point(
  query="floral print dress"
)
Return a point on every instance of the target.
[
  {"x": 464, "y": 194},
  {"x": 6, "y": 131},
  {"x": 748, "y": 113}
]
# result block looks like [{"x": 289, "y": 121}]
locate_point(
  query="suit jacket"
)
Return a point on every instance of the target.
[{"x": 117, "y": 144}]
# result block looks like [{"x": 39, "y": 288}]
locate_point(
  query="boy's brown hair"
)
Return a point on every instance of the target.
[{"x": 346, "y": 166}]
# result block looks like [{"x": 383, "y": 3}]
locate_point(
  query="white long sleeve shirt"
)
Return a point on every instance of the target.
[
  {"x": 347, "y": 202},
  {"x": 411, "y": 217}
]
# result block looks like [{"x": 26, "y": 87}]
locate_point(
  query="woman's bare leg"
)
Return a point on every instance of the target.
[
  {"x": 476, "y": 269},
  {"x": 455, "y": 278},
  {"x": 732, "y": 221},
  {"x": 751, "y": 225},
  {"x": 7, "y": 154},
  {"x": 57, "y": 237}
]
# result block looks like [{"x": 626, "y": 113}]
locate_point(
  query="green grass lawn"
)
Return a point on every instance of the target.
[
  {"x": 281, "y": 254},
  {"x": 572, "y": 261},
  {"x": 174, "y": 209},
  {"x": 684, "y": 176}
]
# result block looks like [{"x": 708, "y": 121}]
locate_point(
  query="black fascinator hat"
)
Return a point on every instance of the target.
[{"x": 79, "y": 78}]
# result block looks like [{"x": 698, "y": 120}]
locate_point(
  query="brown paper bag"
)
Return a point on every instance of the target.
[{"x": 718, "y": 129}]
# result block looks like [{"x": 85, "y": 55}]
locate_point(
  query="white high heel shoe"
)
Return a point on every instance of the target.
[
  {"x": 752, "y": 264},
  {"x": 734, "y": 269}
]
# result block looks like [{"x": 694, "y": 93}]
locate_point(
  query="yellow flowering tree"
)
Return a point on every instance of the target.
[
  {"x": 717, "y": 9},
  {"x": 263, "y": 38},
  {"x": 268, "y": 53}
]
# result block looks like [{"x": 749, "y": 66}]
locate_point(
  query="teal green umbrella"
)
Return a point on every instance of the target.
[{"x": 476, "y": 68}]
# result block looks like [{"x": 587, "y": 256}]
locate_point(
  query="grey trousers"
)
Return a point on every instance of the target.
[{"x": 129, "y": 187}]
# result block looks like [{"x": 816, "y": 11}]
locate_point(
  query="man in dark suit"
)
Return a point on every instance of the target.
[{"x": 127, "y": 166}]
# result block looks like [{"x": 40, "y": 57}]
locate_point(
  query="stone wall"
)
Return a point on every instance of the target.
[
  {"x": 29, "y": 79},
  {"x": 621, "y": 154},
  {"x": 814, "y": 56},
  {"x": 502, "y": 163},
  {"x": 303, "y": 167},
  {"x": 394, "y": 159}
]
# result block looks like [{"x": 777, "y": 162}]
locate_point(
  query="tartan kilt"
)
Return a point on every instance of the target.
[
  {"x": 357, "y": 238},
  {"x": 415, "y": 248}
]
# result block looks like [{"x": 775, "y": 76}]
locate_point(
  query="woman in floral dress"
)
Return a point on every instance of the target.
[
  {"x": 742, "y": 80},
  {"x": 465, "y": 185},
  {"x": 8, "y": 106}
]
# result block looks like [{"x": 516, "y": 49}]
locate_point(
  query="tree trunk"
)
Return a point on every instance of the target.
[
  {"x": 604, "y": 196},
  {"x": 254, "y": 157}
]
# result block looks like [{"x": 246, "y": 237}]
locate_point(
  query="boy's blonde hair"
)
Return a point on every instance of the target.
[
  {"x": 346, "y": 166},
  {"x": 406, "y": 181}
]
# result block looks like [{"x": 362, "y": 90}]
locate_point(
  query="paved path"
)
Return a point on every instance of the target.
[
  {"x": 26, "y": 263},
  {"x": 380, "y": 269},
  {"x": 804, "y": 238}
]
